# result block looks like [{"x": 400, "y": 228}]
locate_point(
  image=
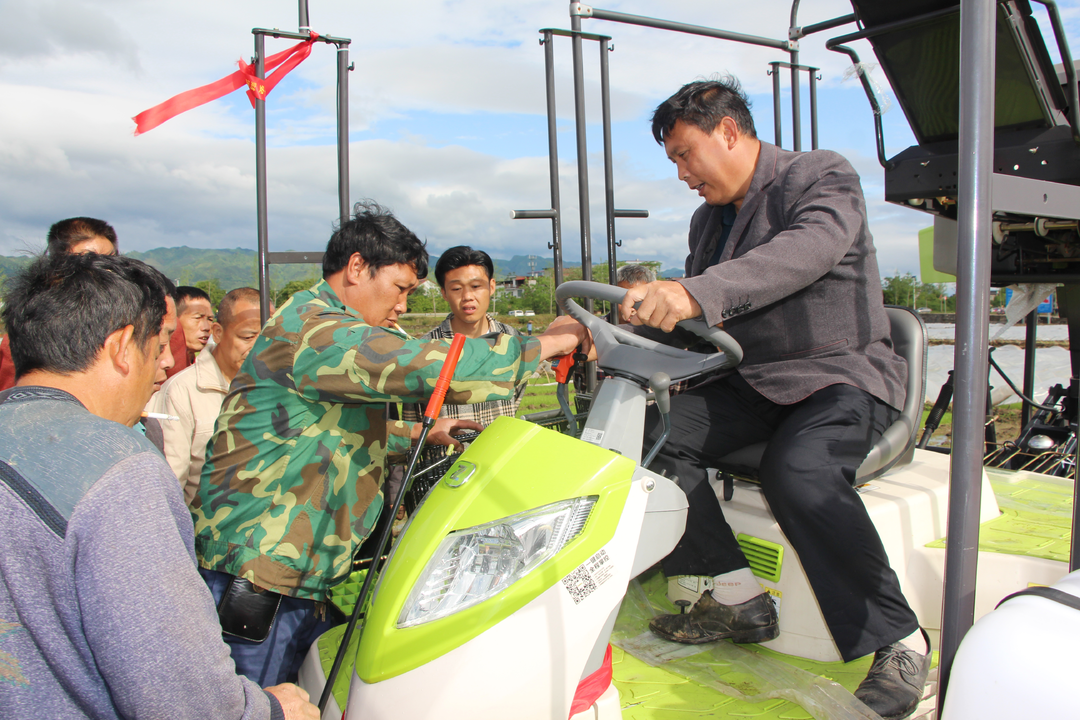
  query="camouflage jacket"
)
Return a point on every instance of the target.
[{"x": 294, "y": 472}]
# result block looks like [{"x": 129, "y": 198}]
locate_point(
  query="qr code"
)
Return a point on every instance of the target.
[{"x": 579, "y": 584}]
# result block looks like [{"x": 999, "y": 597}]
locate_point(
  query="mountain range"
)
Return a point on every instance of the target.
[{"x": 238, "y": 267}]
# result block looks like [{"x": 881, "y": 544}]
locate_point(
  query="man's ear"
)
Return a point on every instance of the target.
[
  {"x": 118, "y": 349},
  {"x": 729, "y": 131},
  {"x": 217, "y": 332},
  {"x": 356, "y": 269}
]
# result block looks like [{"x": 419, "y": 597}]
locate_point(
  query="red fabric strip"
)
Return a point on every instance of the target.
[
  {"x": 149, "y": 119},
  {"x": 259, "y": 89},
  {"x": 591, "y": 688}
]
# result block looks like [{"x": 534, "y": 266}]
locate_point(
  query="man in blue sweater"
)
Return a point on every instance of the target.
[{"x": 102, "y": 612}]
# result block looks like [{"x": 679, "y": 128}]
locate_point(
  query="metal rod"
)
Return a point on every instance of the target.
[
  {"x": 343, "y": 131},
  {"x": 609, "y": 175},
  {"x": 582, "y": 172},
  {"x": 305, "y": 23},
  {"x": 598, "y": 14},
  {"x": 631, "y": 213},
  {"x": 813, "y": 111},
  {"x": 1049, "y": 225},
  {"x": 978, "y": 20},
  {"x": 582, "y": 156},
  {"x": 1074, "y": 539},
  {"x": 1029, "y": 366},
  {"x": 274, "y": 32},
  {"x": 777, "y": 118},
  {"x": 864, "y": 78},
  {"x": 827, "y": 25},
  {"x": 260, "y": 183},
  {"x": 532, "y": 215},
  {"x": 1067, "y": 63},
  {"x": 796, "y": 104},
  {"x": 553, "y": 159},
  {"x": 796, "y": 99}
]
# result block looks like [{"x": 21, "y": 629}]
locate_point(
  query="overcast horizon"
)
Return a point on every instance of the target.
[{"x": 447, "y": 121}]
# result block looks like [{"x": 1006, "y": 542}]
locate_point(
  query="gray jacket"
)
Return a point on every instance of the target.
[
  {"x": 797, "y": 284},
  {"x": 102, "y": 612}
]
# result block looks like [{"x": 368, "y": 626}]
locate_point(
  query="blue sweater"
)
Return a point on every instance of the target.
[{"x": 102, "y": 612}]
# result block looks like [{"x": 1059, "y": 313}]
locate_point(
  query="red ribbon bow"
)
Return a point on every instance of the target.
[{"x": 258, "y": 88}]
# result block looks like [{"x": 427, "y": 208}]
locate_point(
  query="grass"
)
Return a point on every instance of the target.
[
  {"x": 540, "y": 395},
  {"x": 1006, "y": 420}
]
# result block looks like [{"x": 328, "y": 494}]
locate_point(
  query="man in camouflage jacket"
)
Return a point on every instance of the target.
[{"x": 294, "y": 473}]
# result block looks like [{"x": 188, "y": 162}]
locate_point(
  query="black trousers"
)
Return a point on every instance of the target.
[{"x": 807, "y": 473}]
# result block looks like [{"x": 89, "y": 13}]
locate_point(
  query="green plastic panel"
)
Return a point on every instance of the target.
[
  {"x": 1036, "y": 516},
  {"x": 533, "y": 467},
  {"x": 766, "y": 558}
]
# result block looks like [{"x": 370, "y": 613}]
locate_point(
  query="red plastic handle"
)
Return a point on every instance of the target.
[
  {"x": 443, "y": 383},
  {"x": 562, "y": 365}
]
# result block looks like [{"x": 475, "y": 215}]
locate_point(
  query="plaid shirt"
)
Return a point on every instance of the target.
[{"x": 485, "y": 412}]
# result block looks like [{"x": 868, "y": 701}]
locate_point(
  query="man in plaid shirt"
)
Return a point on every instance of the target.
[{"x": 466, "y": 278}]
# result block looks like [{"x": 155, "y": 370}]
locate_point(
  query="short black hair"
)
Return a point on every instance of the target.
[
  {"x": 225, "y": 307},
  {"x": 379, "y": 237},
  {"x": 703, "y": 104},
  {"x": 65, "y": 234},
  {"x": 61, "y": 308},
  {"x": 462, "y": 256},
  {"x": 188, "y": 292}
]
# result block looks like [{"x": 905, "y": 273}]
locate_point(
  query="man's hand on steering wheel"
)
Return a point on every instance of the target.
[{"x": 663, "y": 304}]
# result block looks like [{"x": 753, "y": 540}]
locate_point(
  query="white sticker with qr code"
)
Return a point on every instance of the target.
[
  {"x": 592, "y": 435},
  {"x": 589, "y": 576}
]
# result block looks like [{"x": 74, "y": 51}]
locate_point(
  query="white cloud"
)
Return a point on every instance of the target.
[{"x": 73, "y": 72}]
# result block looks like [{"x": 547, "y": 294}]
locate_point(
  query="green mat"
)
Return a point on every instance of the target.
[
  {"x": 1036, "y": 516},
  {"x": 667, "y": 681}
]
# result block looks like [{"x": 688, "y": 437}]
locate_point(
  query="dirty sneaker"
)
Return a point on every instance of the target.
[
  {"x": 750, "y": 622},
  {"x": 894, "y": 685}
]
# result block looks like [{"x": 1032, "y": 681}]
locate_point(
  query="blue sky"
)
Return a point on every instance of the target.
[{"x": 447, "y": 121}]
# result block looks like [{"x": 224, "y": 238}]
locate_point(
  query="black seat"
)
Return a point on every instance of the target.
[{"x": 897, "y": 444}]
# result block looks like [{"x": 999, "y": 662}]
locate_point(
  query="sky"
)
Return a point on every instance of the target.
[{"x": 447, "y": 121}]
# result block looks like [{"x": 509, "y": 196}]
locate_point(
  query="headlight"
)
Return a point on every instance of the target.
[{"x": 474, "y": 564}]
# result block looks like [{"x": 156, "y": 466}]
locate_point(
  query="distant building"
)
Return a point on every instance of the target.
[{"x": 512, "y": 286}]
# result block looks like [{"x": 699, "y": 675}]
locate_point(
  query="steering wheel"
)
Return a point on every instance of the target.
[{"x": 612, "y": 342}]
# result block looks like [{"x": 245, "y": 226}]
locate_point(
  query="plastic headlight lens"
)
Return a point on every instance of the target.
[{"x": 474, "y": 564}]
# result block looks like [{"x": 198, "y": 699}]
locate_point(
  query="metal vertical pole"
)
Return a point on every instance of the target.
[
  {"x": 609, "y": 179},
  {"x": 260, "y": 183},
  {"x": 583, "y": 178},
  {"x": 343, "y": 130},
  {"x": 305, "y": 24},
  {"x": 582, "y": 156},
  {"x": 1029, "y": 366},
  {"x": 776, "y": 104},
  {"x": 813, "y": 110},
  {"x": 977, "y": 52},
  {"x": 796, "y": 103},
  {"x": 553, "y": 158},
  {"x": 796, "y": 94}
]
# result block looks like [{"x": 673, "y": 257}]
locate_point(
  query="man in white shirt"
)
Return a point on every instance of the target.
[{"x": 194, "y": 396}]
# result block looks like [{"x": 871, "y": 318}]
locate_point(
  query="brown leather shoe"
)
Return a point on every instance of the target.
[
  {"x": 753, "y": 621},
  {"x": 894, "y": 685}
]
